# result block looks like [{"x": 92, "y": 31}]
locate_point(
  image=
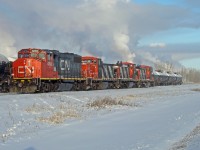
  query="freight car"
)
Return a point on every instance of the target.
[
  {"x": 5, "y": 73},
  {"x": 43, "y": 70},
  {"x": 166, "y": 78}
]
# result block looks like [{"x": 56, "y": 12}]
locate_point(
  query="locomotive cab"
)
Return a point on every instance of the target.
[
  {"x": 146, "y": 76},
  {"x": 34, "y": 63},
  {"x": 131, "y": 68},
  {"x": 91, "y": 67}
]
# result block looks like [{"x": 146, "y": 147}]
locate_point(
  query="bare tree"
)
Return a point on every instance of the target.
[{"x": 190, "y": 75}]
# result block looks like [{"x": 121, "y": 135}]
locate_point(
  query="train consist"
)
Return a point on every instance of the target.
[{"x": 43, "y": 70}]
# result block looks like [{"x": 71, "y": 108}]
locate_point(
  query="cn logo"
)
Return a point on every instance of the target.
[{"x": 25, "y": 70}]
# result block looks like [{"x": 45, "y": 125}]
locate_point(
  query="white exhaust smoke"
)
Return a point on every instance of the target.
[
  {"x": 121, "y": 42},
  {"x": 7, "y": 44}
]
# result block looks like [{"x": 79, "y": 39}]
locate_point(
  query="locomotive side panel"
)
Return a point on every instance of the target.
[
  {"x": 47, "y": 67},
  {"x": 108, "y": 71}
]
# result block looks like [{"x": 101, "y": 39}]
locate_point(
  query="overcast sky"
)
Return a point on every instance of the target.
[{"x": 134, "y": 30}]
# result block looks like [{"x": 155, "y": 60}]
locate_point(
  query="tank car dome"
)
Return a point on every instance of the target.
[{"x": 3, "y": 58}]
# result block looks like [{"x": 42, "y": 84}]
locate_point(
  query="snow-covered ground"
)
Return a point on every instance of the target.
[{"x": 157, "y": 118}]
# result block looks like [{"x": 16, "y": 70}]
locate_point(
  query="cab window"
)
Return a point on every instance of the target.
[
  {"x": 33, "y": 55},
  {"x": 49, "y": 57},
  {"x": 42, "y": 56}
]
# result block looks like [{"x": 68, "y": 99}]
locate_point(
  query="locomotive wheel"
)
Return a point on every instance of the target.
[
  {"x": 100, "y": 86},
  {"x": 94, "y": 86},
  {"x": 4, "y": 87},
  {"x": 44, "y": 88},
  {"x": 55, "y": 87},
  {"x": 147, "y": 85},
  {"x": 138, "y": 85},
  {"x": 32, "y": 88},
  {"x": 118, "y": 86},
  {"x": 78, "y": 87}
]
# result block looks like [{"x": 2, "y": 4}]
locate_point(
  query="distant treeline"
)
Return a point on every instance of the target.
[{"x": 190, "y": 75}]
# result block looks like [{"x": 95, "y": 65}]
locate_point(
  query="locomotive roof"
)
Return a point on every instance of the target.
[
  {"x": 57, "y": 52},
  {"x": 50, "y": 51}
]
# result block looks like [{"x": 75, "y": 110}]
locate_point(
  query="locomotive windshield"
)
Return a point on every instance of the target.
[
  {"x": 86, "y": 61},
  {"x": 38, "y": 55},
  {"x": 23, "y": 56},
  {"x": 41, "y": 55},
  {"x": 32, "y": 54}
]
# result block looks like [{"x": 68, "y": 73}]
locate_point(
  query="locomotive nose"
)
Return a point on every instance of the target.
[{"x": 23, "y": 69}]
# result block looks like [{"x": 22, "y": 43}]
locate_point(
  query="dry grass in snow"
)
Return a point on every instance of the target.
[
  {"x": 37, "y": 108},
  {"x": 182, "y": 144},
  {"x": 59, "y": 117},
  {"x": 197, "y": 90},
  {"x": 53, "y": 115},
  {"x": 107, "y": 101}
]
